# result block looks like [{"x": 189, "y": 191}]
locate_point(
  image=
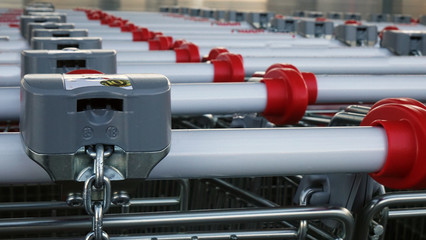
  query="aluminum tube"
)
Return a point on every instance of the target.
[
  {"x": 112, "y": 36},
  {"x": 369, "y": 89},
  {"x": 272, "y": 152},
  {"x": 27, "y": 206},
  {"x": 176, "y": 72},
  {"x": 13, "y": 45},
  {"x": 239, "y": 153},
  {"x": 10, "y": 104},
  {"x": 407, "y": 213},
  {"x": 124, "y": 45},
  {"x": 16, "y": 166},
  {"x": 343, "y": 65},
  {"x": 10, "y": 75},
  {"x": 257, "y": 43},
  {"x": 146, "y": 56},
  {"x": 218, "y": 98},
  {"x": 115, "y": 221},
  {"x": 240, "y": 235},
  {"x": 10, "y": 57},
  {"x": 307, "y": 52}
]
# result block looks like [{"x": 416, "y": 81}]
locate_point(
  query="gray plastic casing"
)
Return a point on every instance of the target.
[
  {"x": 356, "y": 35},
  {"x": 335, "y": 15},
  {"x": 400, "y": 18},
  {"x": 260, "y": 19},
  {"x": 60, "y": 33},
  {"x": 314, "y": 14},
  {"x": 63, "y": 16},
  {"x": 352, "y": 16},
  {"x": 379, "y": 17},
  {"x": 63, "y": 113},
  {"x": 46, "y": 25},
  {"x": 405, "y": 42},
  {"x": 63, "y": 61},
  {"x": 422, "y": 20},
  {"x": 50, "y": 43},
  {"x": 194, "y": 12},
  {"x": 315, "y": 29},
  {"x": 25, "y": 19},
  {"x": 287, "y": 25},
  {"x": 219, "y": 15},
  {"x": 29, "y": 9},
  {"x": 235, "y": 16},
  {"x": 207, "y": 13}
]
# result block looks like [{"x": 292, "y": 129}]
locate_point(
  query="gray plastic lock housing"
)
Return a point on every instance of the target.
[
  {"x": 315, "y": 29},
  {"x": 260, "y": 19},
  {"x": 352, "y": 16},
  {"x": 130, "y": 112},
  {"x": 379, "y": 17},
  {"x": 63, "y": 61},
  {"x": 207, "y": 13},
  {"x": 194, "y": 12},
  {"x": 287, "y": 25},
  {"x": 63, "y": 16},
  {"x": 422, "y": 20},
  {"x": 400, "y": 18},
  {"x": 29, "y": 9},
  {"x": 405, "y": 42},
  {"x": 60, "y": 33},
  {"x": 50, "y": 43},
  {"x": 25, "y": 19},
  {"x": 356, "y": 35},
  {"x": 46, "y": 25},
  {"x": 313, "y": 14},
  {"x": 335, "y": 15},
  {"x": 219, "y": 15},
  {"x": 235, "y": 16}
]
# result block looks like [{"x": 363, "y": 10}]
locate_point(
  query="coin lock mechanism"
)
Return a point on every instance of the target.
[
  {"x": 66, "y": 60},
  {"x": 63, "y": 115},
  {"x": 58, "y": 43}
]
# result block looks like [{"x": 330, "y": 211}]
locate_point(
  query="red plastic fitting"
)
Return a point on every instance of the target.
[
  {"x": 228, "y": 67},
  {"x": 160, "y": 43},
  {"x": 309, "y": 78},
  {"x": 128, "y": 27},
  {"x": 405, "y": 126},
  {"x": 214, "y": 53},
  {"x": 179, "y": 43},
  {"x": 287, "y": 96},
  {"x": 354, "y": 22},
  {"x": 141, "y": 35},
  {"x": 187, "y": 52}
]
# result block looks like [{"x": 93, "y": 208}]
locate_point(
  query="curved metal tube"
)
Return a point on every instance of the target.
[
  {"x": 380, "y": 202},
  {"x": 172, "y": 219}
]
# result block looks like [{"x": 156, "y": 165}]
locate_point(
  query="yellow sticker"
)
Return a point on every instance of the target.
[{"x": 116, "y": 83}]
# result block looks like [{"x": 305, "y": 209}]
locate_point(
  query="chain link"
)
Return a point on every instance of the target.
[{"x": 102, "y": 185}]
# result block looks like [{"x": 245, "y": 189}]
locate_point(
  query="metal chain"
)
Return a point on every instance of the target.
[{"x": 102, "y": 185}]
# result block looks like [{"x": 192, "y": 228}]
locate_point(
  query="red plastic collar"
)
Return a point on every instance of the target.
[
  {"x": 320, "y": 19},
  {"x": 281, "y": 65},
  {"x": 405, "y": 125},
  {"x": 355, "y": 22},
  {"x": 84, "y": 71},
  {"x": 406, "y": 101},
  {"x": 287, "y": 96},
  {"x": 128, "y": 27},
  {"x": 215, "y": 52},
  {"x": 228, "y": 67},
  {"x": 179, "y": 43},
  {"x": 160, "y": 43},
  {"x": 188, "y": 52},
  {"x": 141, "y": 35}
]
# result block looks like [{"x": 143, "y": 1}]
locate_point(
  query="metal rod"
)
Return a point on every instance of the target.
[
  {"x": 115, "y": 221},
  {"x": 403, "y": 213},
  {"x": 379, "y": 203},
  {"x": 221, "y": 153}
]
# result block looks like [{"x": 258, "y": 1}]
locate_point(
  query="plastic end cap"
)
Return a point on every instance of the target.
[
  {"x": 140, "y": 35},
  {"x": 228, "y": 67},
  {"x": 179, "y": 43},
  {"x": 287, "y": 96},
  {"x": 188, "y": 52},
  {"x": 214, "y": 53},
  {"x": 128, "y": 27},
  {"x": 405, "y": 166}
]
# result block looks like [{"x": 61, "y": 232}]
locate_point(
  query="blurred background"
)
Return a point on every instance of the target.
[{"x": 285, "y": 7}]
